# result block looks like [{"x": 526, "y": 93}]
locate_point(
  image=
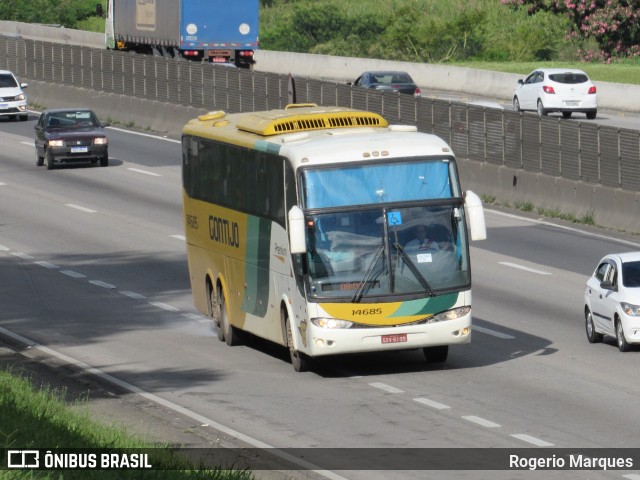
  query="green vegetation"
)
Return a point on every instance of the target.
[
  {"x": 39, "y": 418},
  {"x": 79, "y": 14},
  {"x": 416, "y": 30}
]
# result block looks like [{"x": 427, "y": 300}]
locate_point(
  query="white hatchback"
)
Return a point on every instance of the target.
[
  {"x": 556, "y": 90},
  {"x": 612, "y": 300},
  {"x": 13, "y": 102}
]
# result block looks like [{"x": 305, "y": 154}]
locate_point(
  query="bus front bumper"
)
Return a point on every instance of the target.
[{"x": 325, "y": 341}]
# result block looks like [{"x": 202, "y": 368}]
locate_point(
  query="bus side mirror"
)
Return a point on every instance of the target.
[
  {"x": 297, "y": 237},
  {"x": 475, "y": 214}
]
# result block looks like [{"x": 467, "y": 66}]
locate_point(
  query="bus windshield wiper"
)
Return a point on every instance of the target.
[
  {"x": 365, "y": 279},
  {"x": 414, "y": 269}
]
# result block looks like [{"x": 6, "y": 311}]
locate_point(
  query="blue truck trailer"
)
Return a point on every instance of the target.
[{"x": 218, "y": 31}]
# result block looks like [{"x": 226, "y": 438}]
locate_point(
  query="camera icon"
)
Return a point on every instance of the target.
[{"x": 23, "y": 459}]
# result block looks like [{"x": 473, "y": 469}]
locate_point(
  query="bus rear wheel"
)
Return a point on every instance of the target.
[
  {"x": 231, "y": 333},
  {"x": 214, "y": 309},
  {"x": 436, "y": 354},
  {"x": 298, "y": 360}
]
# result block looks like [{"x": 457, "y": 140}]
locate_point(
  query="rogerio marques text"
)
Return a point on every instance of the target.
[{"x": 569, "y": 462}]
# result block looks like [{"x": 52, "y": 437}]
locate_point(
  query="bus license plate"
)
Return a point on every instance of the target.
[
  {"x": 79, "y": 149},
  {"x": 395, "y": 338}
]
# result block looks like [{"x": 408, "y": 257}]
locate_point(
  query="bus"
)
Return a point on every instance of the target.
[{"x": 299, "y": 225}]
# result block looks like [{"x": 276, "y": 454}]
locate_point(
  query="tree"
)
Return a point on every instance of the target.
[
  {"x": 613, "y": 24},
  {"x": 63, "y": 12}
]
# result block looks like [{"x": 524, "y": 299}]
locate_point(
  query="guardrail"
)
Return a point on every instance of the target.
[{"x": 568, "y": 149}]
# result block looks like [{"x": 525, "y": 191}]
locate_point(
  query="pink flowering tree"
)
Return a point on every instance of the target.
[{"x": 613, "y": 24}]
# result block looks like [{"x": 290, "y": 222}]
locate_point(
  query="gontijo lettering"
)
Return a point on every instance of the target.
[{"x": 224, "y": 231}]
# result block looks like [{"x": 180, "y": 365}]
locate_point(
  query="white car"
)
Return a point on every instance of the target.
[
  {"x": 557, "y": 90},
  {"x": 13, "y": 102},
  {"x": 612, "y": 300}
]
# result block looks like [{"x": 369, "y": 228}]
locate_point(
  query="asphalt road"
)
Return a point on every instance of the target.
[{"x": 94, "y": 269}]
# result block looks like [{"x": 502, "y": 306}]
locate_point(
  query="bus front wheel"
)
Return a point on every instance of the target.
[
  {"x": 436, "y": 354},
  {"x": 298, "y": 359}
]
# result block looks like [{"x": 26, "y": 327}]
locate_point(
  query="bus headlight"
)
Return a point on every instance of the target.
[
  {"x": 331, "y": 323},
  {"x": 451, "y": 314}
]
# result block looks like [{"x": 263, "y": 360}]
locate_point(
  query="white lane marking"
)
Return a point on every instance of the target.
[
  {"x": 481, "y": 421},
  {"x": 82, "y": 209},
  {"x": 532, "y": 440},
  {"x": 632, "y": 476},
  {"x": 28, "y": 143},
  {"x": 386, "y": 388},
  {"x": 431, "y": 403},
  {"x": 2, "y": 184},
  {"x": 46, "y": 264},
  {"x": 4, "y": 249},
  {"x": 144, "y": 135},
  {"x": 179, "y": 237},
  {"x": 101, "y": 284},
  {"x": 24, "y": 256},
  {"x": 146, "y": 172},
  {"x": 196, "y": 318},
  {"x": 522, "y": 267},
  {"x": 73, "y": 274},
  {"x": 164, "y": 306},
  {"x": 201, "y": 419},
  {"x": 492, "y": 332},
  {"x": 133, "y": 295}
]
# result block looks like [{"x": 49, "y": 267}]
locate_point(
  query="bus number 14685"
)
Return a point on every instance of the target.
[{"x": 367, "y": 311}]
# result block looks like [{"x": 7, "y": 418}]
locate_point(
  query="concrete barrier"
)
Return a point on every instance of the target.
[
  {"x": 52, "y": 33},
  {"x": 612, "y": 208},
  {"x": 614, "y": 96}
]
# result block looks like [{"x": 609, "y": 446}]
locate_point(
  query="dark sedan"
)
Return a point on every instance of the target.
[
  {"x": 389, "y": 81},
  {"x": 70, "y": 135}
]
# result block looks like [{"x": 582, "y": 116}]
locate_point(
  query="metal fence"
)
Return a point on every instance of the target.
[{"x": 570, "y": 149}]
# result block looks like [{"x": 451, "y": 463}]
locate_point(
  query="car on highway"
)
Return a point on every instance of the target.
[
  {"x": 612, "y": 300},
  {"x": 69, "y": 136},
  {"x": 561, "y": 90},
  {"x": 13, "y": 101},
  {"x": 388, "y": 81}
]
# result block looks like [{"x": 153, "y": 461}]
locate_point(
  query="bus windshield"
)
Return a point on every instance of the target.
[
  {"x": 401, "y": 181},
  {"x": 383, "y": 252}
]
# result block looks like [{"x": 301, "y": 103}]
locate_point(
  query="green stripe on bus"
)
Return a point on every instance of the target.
[
  {"x": 256, "y": 293},
  {"x": 426, "y": 306}
]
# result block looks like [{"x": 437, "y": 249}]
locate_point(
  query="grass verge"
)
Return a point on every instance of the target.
[
  {"x": 33, "y": 417},
  {"x": 528, "y": 207}
]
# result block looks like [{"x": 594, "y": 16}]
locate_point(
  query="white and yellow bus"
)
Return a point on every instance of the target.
[{"x": 299, "y": 226}]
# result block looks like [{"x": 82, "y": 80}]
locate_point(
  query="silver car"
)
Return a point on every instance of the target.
[
  {"x": 13, "y": 102},
  {"x": 562, "y": 90}
]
